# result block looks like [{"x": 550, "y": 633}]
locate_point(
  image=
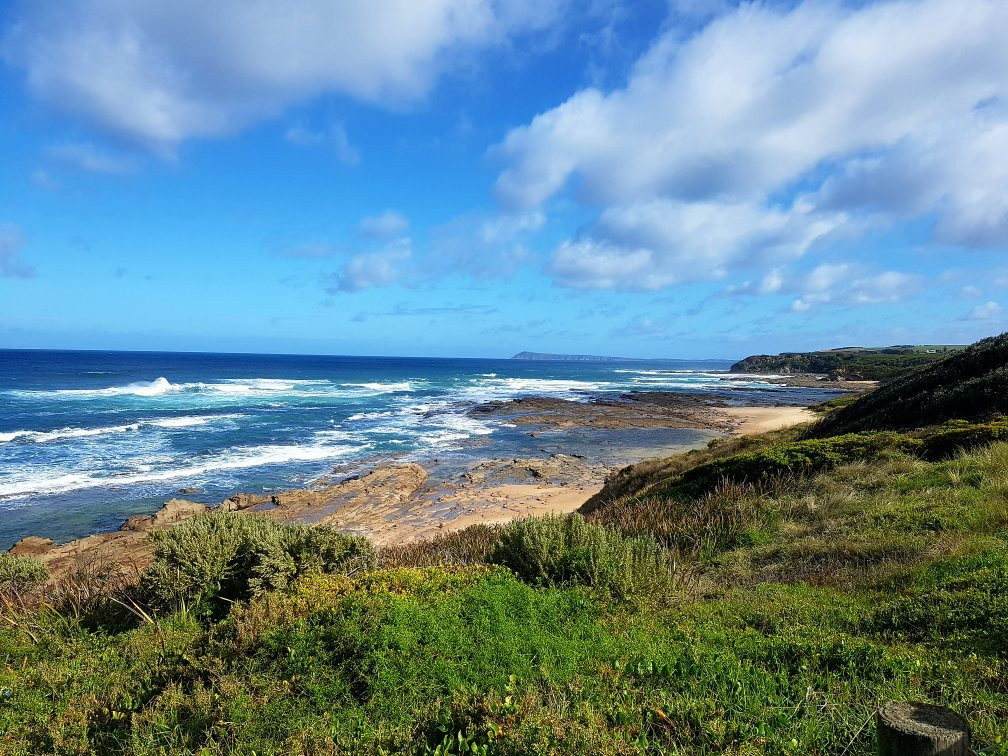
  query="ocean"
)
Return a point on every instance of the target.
[{"x": 90, "y": 438}]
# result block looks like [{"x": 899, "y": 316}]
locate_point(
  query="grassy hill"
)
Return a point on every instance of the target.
[
  {"x": 854, "y": 363},
  {"x": 971, "y": 384},
  {"x": 762, "y": 595}
]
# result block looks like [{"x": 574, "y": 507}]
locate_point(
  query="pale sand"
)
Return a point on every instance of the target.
[{"x": 762, "y": 419}]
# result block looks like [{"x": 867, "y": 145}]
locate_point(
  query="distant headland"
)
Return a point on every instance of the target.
[
  {"x": 852, "y": 363},
  {"x": 569, "y": 357}
]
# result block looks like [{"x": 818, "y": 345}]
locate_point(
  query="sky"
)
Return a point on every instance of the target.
[{"x": 465, "y": 178}]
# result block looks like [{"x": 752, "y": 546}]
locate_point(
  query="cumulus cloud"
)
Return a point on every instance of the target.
[
  {"x": 653, "y": 244},
  {"x": 386, "y": 225},
  {"x": 772, "y": 129},
  {"x": 11, "y": 244},
  {"x": 845, "y": 284},
  {"x": 986, "y": 311},
  {"x": 160, "y": 73},
  {"x": 832, "y": 283},
  {"x": 390, "y": 265}
]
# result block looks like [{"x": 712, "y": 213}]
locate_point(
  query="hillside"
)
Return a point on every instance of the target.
[
  {"x": 971, "y": 384},
  {"x": 765, "y": 594},
  {"x": 853, "y": 363}
]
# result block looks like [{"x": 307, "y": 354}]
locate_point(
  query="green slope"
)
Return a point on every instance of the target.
[{"x": 971, "y": 384}]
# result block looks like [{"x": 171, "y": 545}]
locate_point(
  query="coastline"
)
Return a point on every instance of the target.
[{"x": 398, "y": 501}]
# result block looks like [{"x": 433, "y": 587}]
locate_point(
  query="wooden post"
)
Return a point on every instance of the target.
[{"x": 907, "y": 728}]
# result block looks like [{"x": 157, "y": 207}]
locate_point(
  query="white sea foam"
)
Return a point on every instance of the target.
[
  {"x": 61, "y": 434},
  {"x": 382, "y": 388},
  {"x": 227, "y": 386},
  {"x": 157, "y": 387},
  {"x": 508, "y": 388},
  {"x": 369, "y": 416},
  {"x": 52, "y": 481}
]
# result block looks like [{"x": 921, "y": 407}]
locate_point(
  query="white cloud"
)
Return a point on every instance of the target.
[
  {"x": 846, "y": 284},
  {"x": 653, "y": 244},
  {"x": 160, "y": 73},
  {"x": 385, "y": 225},
  {"x": 87, "y": 157},
  {"x": 876, "y": 112},
  {"x": 335, "y": 136},
  {"x": 986, "y": 311},
  {"x": 369, "y": 269},
  {"x": 11, "y": 244}
]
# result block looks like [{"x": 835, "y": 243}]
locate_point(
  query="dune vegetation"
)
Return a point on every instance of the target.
[{"x": 763, "y": 595}]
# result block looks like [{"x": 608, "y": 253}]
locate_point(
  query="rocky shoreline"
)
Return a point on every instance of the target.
[{"x": 398, "y": 501}]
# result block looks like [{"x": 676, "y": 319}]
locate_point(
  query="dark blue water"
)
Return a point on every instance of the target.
[{"x": 90, "y": 438}]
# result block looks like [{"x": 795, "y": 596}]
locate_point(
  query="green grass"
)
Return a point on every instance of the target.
[{"x": 822, "y": 578}]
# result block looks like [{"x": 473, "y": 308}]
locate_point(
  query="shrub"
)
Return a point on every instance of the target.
[
  {"x": 19, "y": 572},
  {"x": 234, "y": 556},
  {"x": 957, "y": 436},
  {"x": 798, "y": 458},
  {"x": 569, "y": 550}
]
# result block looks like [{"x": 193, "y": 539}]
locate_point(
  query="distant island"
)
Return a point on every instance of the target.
[
  {"x": 852, "y": 363},
  {"x": 569, "y": 357}
]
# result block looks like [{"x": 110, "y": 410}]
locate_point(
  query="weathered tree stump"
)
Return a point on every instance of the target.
[{"x": 907, "y": 728}]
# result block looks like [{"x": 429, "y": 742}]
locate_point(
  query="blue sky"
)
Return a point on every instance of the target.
[{"x": 476, "y": 178}]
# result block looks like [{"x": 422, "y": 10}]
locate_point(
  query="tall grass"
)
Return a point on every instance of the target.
[
  {"x": 462, "y": 548},
  {"x": 723, "y": 518},
  {"x": 571, "y": 551}
]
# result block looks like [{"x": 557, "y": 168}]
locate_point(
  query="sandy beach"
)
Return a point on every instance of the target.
[{"x": 763, "y": 419}]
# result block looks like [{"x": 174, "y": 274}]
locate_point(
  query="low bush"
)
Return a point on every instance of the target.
[
  {"x": 957, "y": 436},
  {"x": 793, "y": 459},
  {"x": 20, "y": 572},
  {"x": 570, "y": 551},
  {"x": 234, "y": 556}
]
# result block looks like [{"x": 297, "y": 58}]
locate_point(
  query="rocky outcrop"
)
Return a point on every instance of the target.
[
  {"x": 382, "y": 488},
  {"x": 32, "y": 546},
  {"x": 555, "y": 470},
  {"x": 242, "y": 501},
  {"x": 174, "y": 511},
  {"x": 645, "y": 409}
]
